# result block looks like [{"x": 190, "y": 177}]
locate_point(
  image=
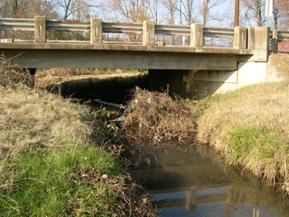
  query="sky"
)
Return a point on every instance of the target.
[{"x": 2, "y": 2}]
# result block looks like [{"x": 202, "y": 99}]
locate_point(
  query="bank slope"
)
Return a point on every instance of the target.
[
  {"x": 50, "y": 167},
  {"x": 251, "y": 127}
]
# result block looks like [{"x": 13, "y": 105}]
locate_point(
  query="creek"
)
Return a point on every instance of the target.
[
  {"x": 193, "y": 182},
  {"x": 190, "y": 181}
]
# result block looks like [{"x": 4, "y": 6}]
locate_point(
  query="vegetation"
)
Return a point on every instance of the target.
[
  {"x": 57, "y": 76},
  {"x": 250, "y": 126},
  {"x": 49, "y": 164},
  {"x": 67, "y": 182}
]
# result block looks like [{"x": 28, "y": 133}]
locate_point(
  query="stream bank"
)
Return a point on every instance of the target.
[
  {"x": 50, "y": 163},
  {"x": 248, "y": 126},
  {"x": 221, "y": 122}
]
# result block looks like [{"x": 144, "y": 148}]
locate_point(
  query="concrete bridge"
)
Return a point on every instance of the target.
[{"x": 138, "y": 46}]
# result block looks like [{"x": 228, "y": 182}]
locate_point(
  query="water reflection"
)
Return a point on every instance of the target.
[
  {"x": 195, "y": 184},
  {"x": 209, "y": 202}
]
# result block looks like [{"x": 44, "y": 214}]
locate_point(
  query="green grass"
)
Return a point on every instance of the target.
[
  {"x": 45, "y": 184},
  {"x": 258, "y": 150}
]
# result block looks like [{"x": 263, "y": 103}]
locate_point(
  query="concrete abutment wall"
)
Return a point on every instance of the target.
[{"x": 207, "y": 82}]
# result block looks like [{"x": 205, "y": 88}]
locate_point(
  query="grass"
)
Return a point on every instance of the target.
[
  {"x": 250, "y": 127},
  {"x": 50, "y": 165},
  {"x": 46, "y": 184},
  {"x": 32, "y": 119},
  {"x": 260, "y": 151},
  {"x": 56, "y": 76}
]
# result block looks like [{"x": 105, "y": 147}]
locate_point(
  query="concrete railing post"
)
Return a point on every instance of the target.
[
  {"x": 262, "y": 40},
  {"x": 95, "y": 31},
  {"x": 240, "y": 37},
  {"x": 262, "y": 35},
  {"x": 39, "y": 29},
  {"x": 148, "y": 33},
  {"x": 275, "y": 34},
  {"x": 197, "y": 35}
]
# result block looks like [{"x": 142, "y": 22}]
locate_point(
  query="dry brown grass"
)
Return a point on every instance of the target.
[
  {"x": 31, "y": 119},
  {"x": 262, "y": 106},
  {"x": 11, "y": 76},
  {"x": 155, "y": 117},
  {"x": 250, "y": 126},
  {"x": 52, "y": 76}
]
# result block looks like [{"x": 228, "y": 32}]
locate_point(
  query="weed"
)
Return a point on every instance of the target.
[{"x": 11, "y": 76}]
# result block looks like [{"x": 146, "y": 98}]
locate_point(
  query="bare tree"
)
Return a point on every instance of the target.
[
  {"x": 153, "y": 9},
  {"x": 281, "y": 14},
  {"x": 131, "y": 10},
  {"x": 171, "y": 7},
  {"x": 27, "y": 8},
  {"x": 205, "y": 8},
  {"x": 76, "y": 9},
  {"x": 186, "y": 10},
  {"x": 254, "y": 10}
]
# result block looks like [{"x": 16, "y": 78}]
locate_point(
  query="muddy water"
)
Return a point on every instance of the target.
[{"x": 193, "y": 182}]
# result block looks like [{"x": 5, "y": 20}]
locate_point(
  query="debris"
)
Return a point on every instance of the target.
[{"x": 156, "y": 117}]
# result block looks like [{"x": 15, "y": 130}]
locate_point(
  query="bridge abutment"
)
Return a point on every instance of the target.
[{"x": 201, "y": 83}]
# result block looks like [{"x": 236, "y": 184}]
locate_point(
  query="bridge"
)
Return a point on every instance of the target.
[{"x": 141, "y": 46}]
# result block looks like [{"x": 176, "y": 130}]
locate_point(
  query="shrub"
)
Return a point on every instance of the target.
[{"x": 12, "y": 76}]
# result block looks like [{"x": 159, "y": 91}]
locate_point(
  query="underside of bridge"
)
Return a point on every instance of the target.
[
  {"x": 184, "y": 74},
  {"x": 41, "y": 58}
]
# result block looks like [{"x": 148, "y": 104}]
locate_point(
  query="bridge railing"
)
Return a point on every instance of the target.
[{"x": 144, "y": 34}]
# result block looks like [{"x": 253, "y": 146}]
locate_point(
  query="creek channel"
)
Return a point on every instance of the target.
[
  {"x": 189, "y": 180},
  {"x": 195, "y": 182}
]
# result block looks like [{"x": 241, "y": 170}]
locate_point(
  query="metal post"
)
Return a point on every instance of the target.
[
  {"x": 269, "y": 11},
  {"x": 237, "y": 13},
  {"x": 275, "y": 41}
]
